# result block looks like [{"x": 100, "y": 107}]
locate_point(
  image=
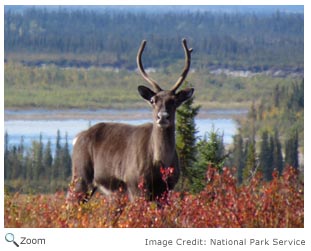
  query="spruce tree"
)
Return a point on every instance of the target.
[
  {"x": 66, "y": 159},
  {"x": 7, "y": 166},
  {"x": 270, "y": 167},
  {"x": 57, "y": 158},
  {"x": 291, "y": 150},
  {"x": 250, "y": 163},
  {"x": 57, "y": 171},
  {"x": 266, "y": 156},
  {"x": 238, "y": 156},
  {"x": 15, "y": 161},
  {"x": 211, "y": 153},
  {"x": 21, "y": 158},
  {"x": 36, "y": 159},
  {"x": 186, "y": 138},
  {"x": 277, "y": 153},
  {"x": 47, "y": 160}
]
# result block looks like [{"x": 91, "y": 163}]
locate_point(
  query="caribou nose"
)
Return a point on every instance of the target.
[{"x": 163, "y": 115}]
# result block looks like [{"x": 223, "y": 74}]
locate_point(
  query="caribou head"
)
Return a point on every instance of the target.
[{"x": 164, "y": 102}]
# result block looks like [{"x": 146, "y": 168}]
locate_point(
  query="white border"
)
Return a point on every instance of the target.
[{"x": 80, "y": 239}]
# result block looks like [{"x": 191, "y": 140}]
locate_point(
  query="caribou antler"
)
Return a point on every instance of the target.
[
  {"x": 186, "y": 68},
  {"x": 156, "y": 87}
]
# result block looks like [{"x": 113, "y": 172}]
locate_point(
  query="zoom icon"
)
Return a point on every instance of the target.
[{"x": 9, "y": 237}]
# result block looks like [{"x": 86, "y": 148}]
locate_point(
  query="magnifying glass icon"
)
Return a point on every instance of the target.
[{"x": 9, "y": 237}]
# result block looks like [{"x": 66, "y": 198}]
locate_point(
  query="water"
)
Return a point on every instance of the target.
[{"x": 30, "y": 129}]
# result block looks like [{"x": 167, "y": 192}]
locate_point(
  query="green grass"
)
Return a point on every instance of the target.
[{"x": 53, "y": 87}]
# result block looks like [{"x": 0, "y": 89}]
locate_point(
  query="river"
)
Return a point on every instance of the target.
[{"x": 30, "y": 124}]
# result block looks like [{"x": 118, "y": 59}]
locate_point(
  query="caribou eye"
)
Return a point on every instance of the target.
[{"x": 153, "y": 100}]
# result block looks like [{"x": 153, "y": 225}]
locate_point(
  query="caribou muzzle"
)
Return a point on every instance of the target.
[{"x": 163, "y": 119}]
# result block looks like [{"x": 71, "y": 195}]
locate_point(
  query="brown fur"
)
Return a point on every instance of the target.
[{"x": 113, "y": 156}]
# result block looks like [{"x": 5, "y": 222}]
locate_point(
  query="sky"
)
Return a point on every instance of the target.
[{"x": 264, "y": 9}]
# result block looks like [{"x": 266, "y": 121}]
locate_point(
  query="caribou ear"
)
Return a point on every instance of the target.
[
  {"x": 145, "y": 92},
  {"x": 184, "y": 95}
]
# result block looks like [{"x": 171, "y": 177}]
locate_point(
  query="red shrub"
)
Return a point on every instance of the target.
[{"x": 223, "y": 203}]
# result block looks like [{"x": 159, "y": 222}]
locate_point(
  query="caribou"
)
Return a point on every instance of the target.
[{"x": 116, "y": 156}]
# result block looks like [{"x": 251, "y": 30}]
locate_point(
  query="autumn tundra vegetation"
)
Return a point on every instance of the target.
[{"x": 222, "y": 203}]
